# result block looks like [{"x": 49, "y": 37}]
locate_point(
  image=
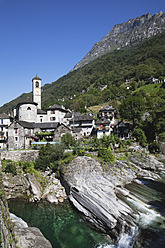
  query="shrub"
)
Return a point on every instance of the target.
[
  {"x": 140, "y": 136},
  {"x": 154, "y": 147},
  {"x": 68, "y": 140},
  {"x": 106, "y": 155},
  {"x": 49, "y": 156},
  {"x": 10, "y": 168},
  {"x": 27, "y": 167}
]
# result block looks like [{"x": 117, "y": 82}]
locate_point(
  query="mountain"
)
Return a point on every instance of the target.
[
  {"x": 126, "y": 34},
  {"x": 104, "y": 78}
]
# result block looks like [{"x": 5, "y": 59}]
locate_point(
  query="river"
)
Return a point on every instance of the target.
[{"x": 64, "y": 227}]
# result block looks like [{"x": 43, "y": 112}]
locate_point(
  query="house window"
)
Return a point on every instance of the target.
[
  {"x": 52, "y": 111},
  {"x": 52, "y": 118},
  {"x": 28, "y": 108},
  {"x": 16, "y": 130},
  {"x": 40, "y": 120},
  {"x": 16, "y": 138},
  {"x": 1, "y": 121}
]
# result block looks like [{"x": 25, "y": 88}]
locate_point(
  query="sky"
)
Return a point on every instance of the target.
[{"x": 49, "y": 37}]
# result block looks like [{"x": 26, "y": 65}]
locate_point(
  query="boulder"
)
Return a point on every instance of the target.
[{"x": 28, "y": 236}]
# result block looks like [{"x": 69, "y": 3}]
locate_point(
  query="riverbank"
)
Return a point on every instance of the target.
[{"x": 94, "y": 187}]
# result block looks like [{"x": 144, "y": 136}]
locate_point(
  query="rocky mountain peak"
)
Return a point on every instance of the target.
[{"x": 129, "y": 33}]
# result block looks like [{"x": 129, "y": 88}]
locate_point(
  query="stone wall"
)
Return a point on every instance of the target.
[
  {"x": 7, "y": 236},
  {"x": 19, "y": 155}
]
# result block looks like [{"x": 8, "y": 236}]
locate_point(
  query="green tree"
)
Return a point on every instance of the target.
[
  {"x": 68, "y": 140},
  {"x": 132, "y": 109},
  {"x": 140, "y": 136},
  {"x": 49, "y": 156}
]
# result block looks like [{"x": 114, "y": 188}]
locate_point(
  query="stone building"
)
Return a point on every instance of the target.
[{"x": 5, "y": 121}]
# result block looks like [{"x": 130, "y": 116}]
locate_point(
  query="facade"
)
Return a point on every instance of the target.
[
  {"x": 122, "y": 130},
  {"x": 56, "y": 113},
  {"x": 85, "y": 123},
  {"x": 102, "y": 127},
  {"x": 20, "y": 135},
  {"x": 106, "y": 122},
  {"x": 5, "y": 121}
]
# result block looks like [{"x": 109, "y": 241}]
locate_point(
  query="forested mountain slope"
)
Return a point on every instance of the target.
[{"x": 134, "y": 63}]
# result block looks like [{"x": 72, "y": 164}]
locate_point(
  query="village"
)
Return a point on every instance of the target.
[{"x": 30, "y": 125}]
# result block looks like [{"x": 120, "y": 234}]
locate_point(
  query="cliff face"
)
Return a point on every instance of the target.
[{"x": 126, "y": 34}]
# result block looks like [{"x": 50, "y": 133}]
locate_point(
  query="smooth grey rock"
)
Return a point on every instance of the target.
[
  {"x": 98, "y": 190},
  {"x": 28, "y": 237}
]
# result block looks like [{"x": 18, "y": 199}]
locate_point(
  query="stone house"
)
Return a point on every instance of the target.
[
  {"x": 122, "y": 130},
  {"x": 5, "y": 121},
  {"x": 19, "y": 134},
  {"x": 102, "y": 127},
  {"x": 83, "y": 123},
  {"x": 106, "y": 122}
]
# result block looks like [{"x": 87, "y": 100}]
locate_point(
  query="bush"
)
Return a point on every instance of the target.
[
  {"x": 154, "y": 147},
  {"x": 49, "y": 156},
  {"x": 10, "y": 168},
  {"x": 140, "y": 136},
  {"x": 68, "y": 140},
  {"x": 27, "y": 167},
  {"x": 106, "y": 155}
]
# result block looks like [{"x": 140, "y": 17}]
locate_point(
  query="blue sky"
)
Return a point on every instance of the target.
[{"x": 48, "y": 37}]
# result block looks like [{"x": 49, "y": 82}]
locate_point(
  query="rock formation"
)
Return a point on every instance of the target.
[
  {"x": 97, "y": 189},
  {"x": 28, "y": 187},
  {"x": 128, "y": 33}
]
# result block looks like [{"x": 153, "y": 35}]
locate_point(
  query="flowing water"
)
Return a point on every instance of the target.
[{"x": 64, "y": 227}]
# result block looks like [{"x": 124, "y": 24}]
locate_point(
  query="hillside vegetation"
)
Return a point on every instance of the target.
[{"x": 136, "y": 64}]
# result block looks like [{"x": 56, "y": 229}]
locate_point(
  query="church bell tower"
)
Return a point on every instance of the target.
[{"x": 36, "y": 84}]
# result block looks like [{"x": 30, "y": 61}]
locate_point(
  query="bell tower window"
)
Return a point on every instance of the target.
[{"x": 37, "y": 84}]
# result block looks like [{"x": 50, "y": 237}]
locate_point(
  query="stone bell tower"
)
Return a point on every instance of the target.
[{"x": 36, "y": 84}]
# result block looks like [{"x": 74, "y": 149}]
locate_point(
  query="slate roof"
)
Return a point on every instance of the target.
[
  {"x": 4, "y": 116},
  {"x": 46, "y": 125},
  {"x": 107, "y": 108},
  {"x": 26, "y": 124},
  {"x": 102, "y": 121},
  {"x": 68, "y": 115},
  {"x": 81, "y": 117},
  {"x": 41, "y": 112},
  {"x": 55, "y": 106}
]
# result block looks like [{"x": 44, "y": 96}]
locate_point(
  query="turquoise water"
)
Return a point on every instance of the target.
[
  {"x": 61, "y": 224},
  {"x": 64, "y": 227}
]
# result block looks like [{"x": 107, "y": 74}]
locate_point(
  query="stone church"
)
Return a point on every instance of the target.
[{"x": 30, "y": 119}]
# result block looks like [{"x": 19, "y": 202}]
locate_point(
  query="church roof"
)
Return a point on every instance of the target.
[
  {"x": 41, "y": 112},
  {"x": 37, "y": 78},
  {"x": 28, "y": 102}
]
